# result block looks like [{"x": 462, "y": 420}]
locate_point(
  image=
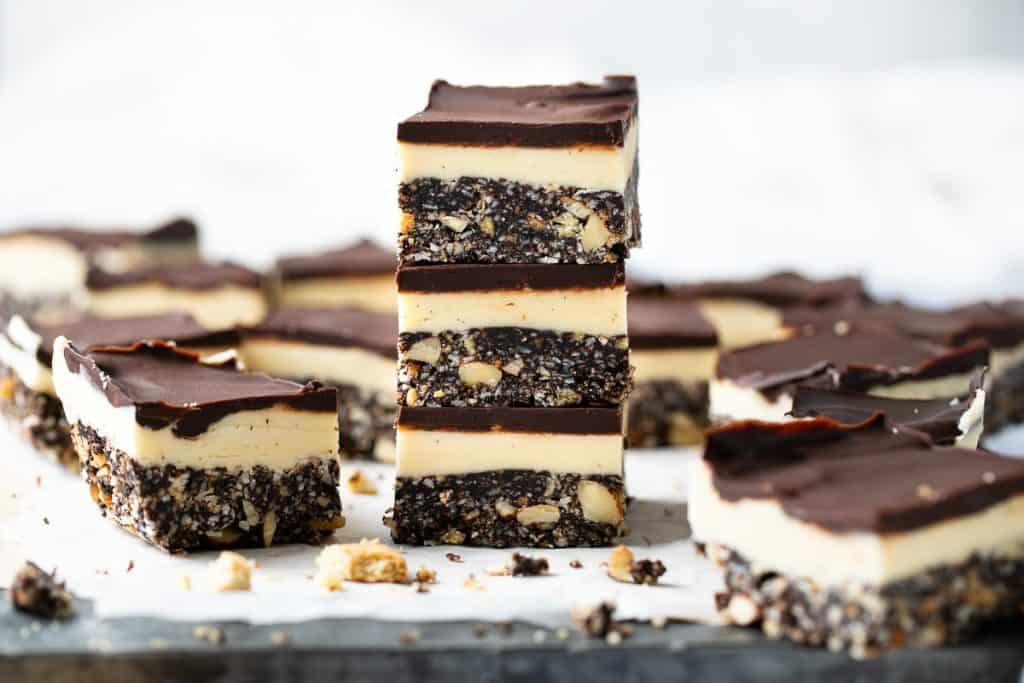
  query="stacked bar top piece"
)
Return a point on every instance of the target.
[
  {"x": 519, "y": 206},
  {"x": 187, "y": 454},
  {"x": 860, "y": 537}
]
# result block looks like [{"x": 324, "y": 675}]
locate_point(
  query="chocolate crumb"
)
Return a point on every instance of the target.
[
  {"x": 131, "y": 566},
  {"x": 504, "y": 628},
  {"x": 39, "y": 482},
  {"x": 480, "y": 630},
  {"x": 597, "y": 621},
  {"x": 46, "y": 521},
  {"x": 36, "y": 592},
  {"x": 576, "y": 564},
  {"x": 524, "y": 565},
  {"x": 452, "y": 557}
]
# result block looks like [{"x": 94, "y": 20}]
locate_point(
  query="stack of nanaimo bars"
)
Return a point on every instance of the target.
[{"x": 518, "y": 210}]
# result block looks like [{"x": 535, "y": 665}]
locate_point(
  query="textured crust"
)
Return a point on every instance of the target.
[
  {"x": 181, "y": 509},
  {"x": 531, "y": 368},
  {"x": 501, "y": 509},
  {"x": 481, "y": 220},
  {"x": 667, "y": 413},
  {"x": 39, "y": 417},
  {"x": 1004, "y": 404},
  {"x": 939, "y": 607}
]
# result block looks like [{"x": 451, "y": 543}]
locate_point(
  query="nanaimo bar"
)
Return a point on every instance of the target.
[
  {"x": 957, "y": 421},
  {"x": 350, "y": 349},
  {"x": 512, "y": 335},
  {"x": 44, "y": 268},
  {"x": 218, "y": 295},
  {"x": 27, "y": 394},
  {"x": 750, "y": 311},
  {"x": 862, "y": 538},
  {"x": 536, "y": 174},
  {"x": 758, "y": 382},
  {"x": 190, "y": 455},
  {"x": 673, "y": 349},
  {"x": 1000, "y": 324},
  {"x": 503, "y": 477},
  {"x": 360, "y": 274}
]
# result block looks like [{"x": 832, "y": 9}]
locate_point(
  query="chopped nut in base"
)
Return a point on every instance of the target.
[
  {"x": 366, "y": 562},
  {"x": 360, "y": 483},
  {"x": 230, "y": 572}
]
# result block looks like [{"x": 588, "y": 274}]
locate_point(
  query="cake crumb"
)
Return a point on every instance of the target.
[
  {"x": 186, "y": 582},
  {"x": 359, "y": 483},
  {"x": 576, "y": 564},
  {"x": 623, "y": 567},
  {"x": 409, "y": 637},
  {"x": 424, "y": 575},
  {"x": 524, "y": 565},
  {"x": 472, "y": 584},
  {"x": 452, "y": 557},
  {"x": 210, "y": 634},
  {"x": 36, "y": 592},
  {"x": 596, "y": 621},
  {"x": 368, "y": 561},
  {"x": 230, "y": 572},
  {"x": 280, "y": 639}
]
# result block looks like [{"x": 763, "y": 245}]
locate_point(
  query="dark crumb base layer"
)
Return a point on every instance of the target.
[
  {"x": 365, "y": 419},
  {"x": 39, "y": 417},
  {"x": 938, "y": 607},
  {"x": 500, "y": 509},
  {"x": 181, "y": 508},
  {"x": 667, "y": 413},
  {"x": 481, "y": 220},
  {"x": 512, "y": 366},
  {"x": 1004, "y": 405}
]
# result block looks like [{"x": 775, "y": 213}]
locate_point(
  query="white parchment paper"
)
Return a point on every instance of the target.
[{"x": 48, "y": 517}]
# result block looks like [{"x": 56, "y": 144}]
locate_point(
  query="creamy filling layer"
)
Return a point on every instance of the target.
[
  {"x": 1002, "y": 360},
  {"x": 278, "y": 437},
  {"x": 214, "y": 308},
  {"x": 36, "y": 266},
  {"x": 333, "y": 364},
  {"x": 132, "y": 256},
  {"x": 586, "y": 311},
  {"x": 742, "y": 322},
  {"x": 773, "y": 541},
  {"x": 683, "y": 365},
  {"x": 18, "y": 352},
  {"x": 422, "y": 452},
  {"x": 729, "y": 400},
  {"x": 590, "y": 167},
  {"x": 377, "y": 293}
]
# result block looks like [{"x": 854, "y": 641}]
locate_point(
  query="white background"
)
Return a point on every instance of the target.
[{"x": 879, "y": 136}]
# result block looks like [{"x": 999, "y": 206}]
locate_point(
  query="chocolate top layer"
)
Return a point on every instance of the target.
[
  {"x": 668, "y": 323},
  {"x": 196, "y": 276},
  {"x": 364, "y": 257},
  {"x": 176, "y": 230},
  {"x": 866, "y": 477},
  {"x": 169, "y": 387},
  {"x": 343, "y": 326},
  {"x": 856, "y": 361},
  {"x": 88, "y": 331},
  {"x": 529, "y": 420},
  {"x": 994, "y": 323},
  {"x": 780, "y": 289},
  {"x": 529, "y": 116},
  {"x": 938, "y": 418},
  {"x": 512, "y": 276}
]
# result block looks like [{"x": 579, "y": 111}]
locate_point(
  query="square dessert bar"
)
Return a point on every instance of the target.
[
  {"x": 513, "y": 335},
  {"x": 949, "y": 422},
  {"x": 44, "y": 268},
  {"x": 503, "y": 477},
  {"x": 860, "y": 538},
  {"x": 757, "y": 382},
  {"x": 673, "y": 349},
  {"x": 27, "y": 395},
  {"x": 350, "y": 349},
  {"x": 360, "y": 274},
  {"x": 535, "y": 174},
  {"x": 1000, "y": 324},
  {"x": 190, "y": 455},
  {"x": 750, "y": 311},
  {"x": 218, "y": 295}
]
